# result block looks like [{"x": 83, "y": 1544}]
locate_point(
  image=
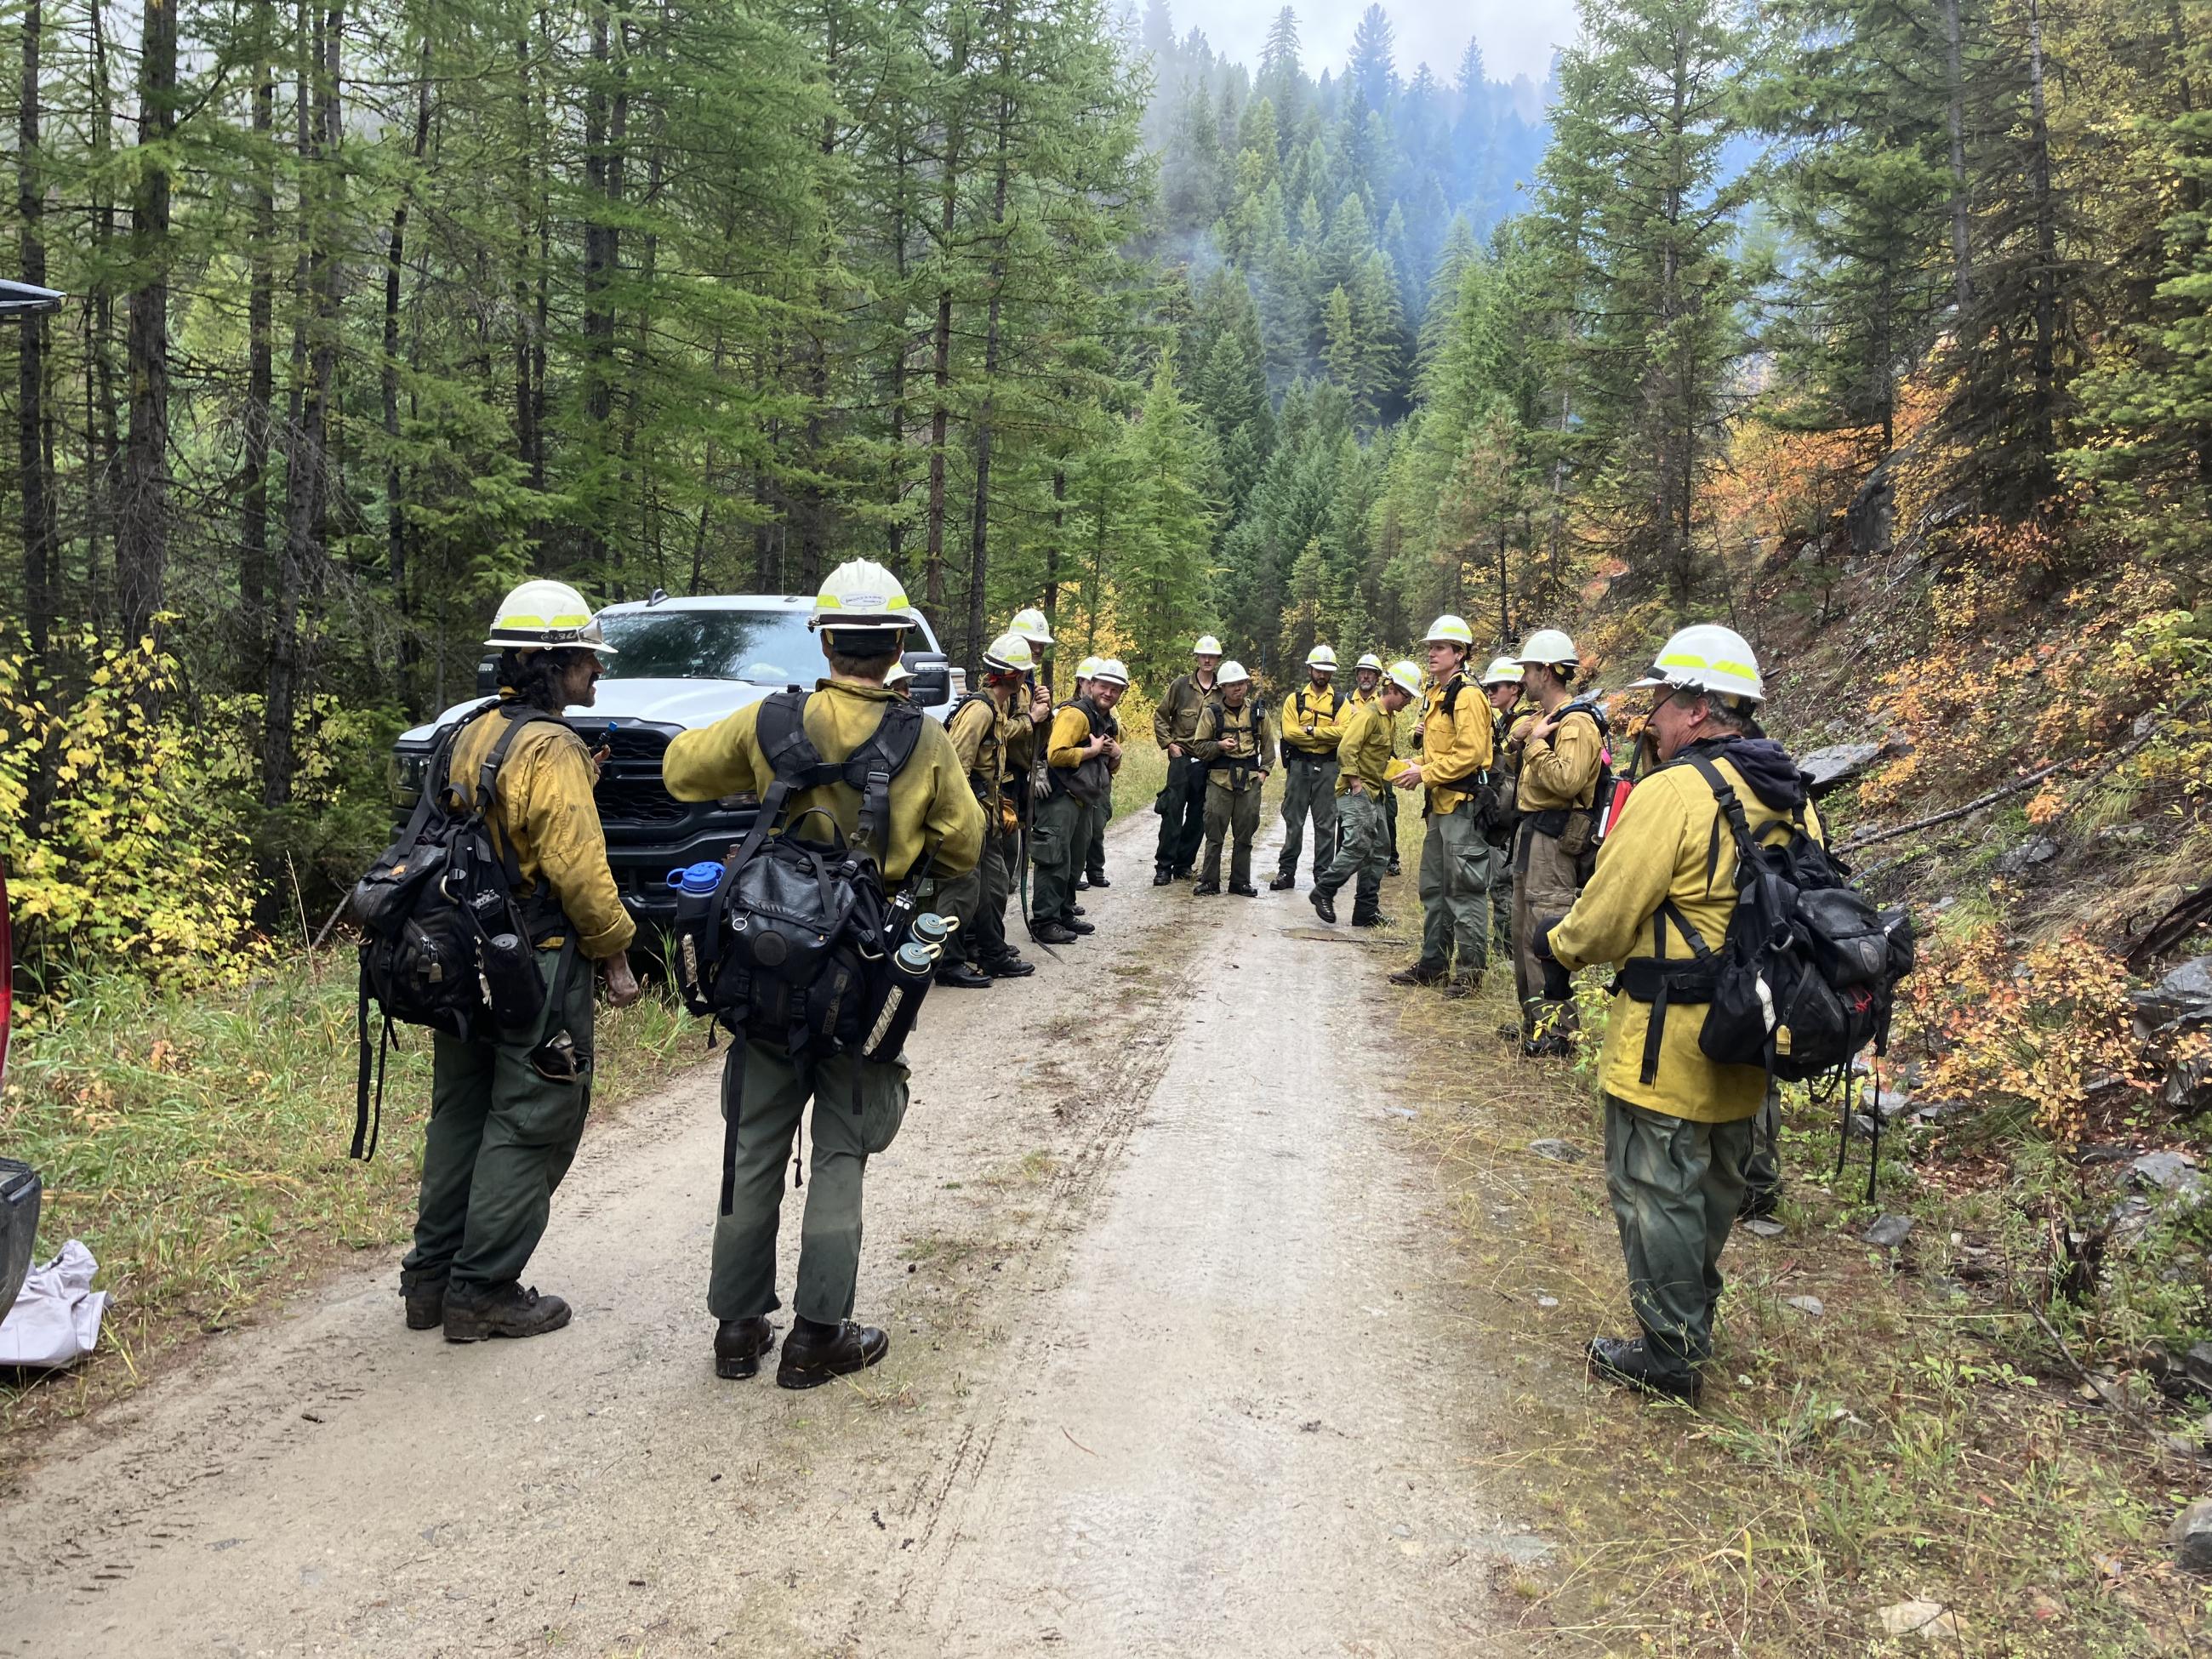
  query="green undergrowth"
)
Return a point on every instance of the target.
[
  {"x": 1920, "y": 1437},
  {"x": 196, "y": 1142}
]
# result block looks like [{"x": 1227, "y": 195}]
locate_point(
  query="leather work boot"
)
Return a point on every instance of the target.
[
  {"x": 1184, "y": 872},
  {"x": 1082, "y": 884},
  {"x": 1162, "y": 876},
  {"x": 1283, "y": 882},
  {"x": 474, "y": 1312},
  {"x": 1394, "y": 870},
  {"x": 1077, "y": 910},
  {"x": 1633, "y": 1365},
  {"x": 1368, "y": 918},
  {"x": 1051, "y": 933},
  {"x": 1010, "y": 966},
  {"x": 1074, "y": 924},
  {"x": 1462, "y": 986},
  {"x": 1323, "y": 906},
  {"x": 1552, "y": 1045},
  {"x": 425, "y": 1296},
  {"x": 1100, "y": 881},
  {"x": 815, "y": 1354},
  {"x": 1421, "y": 973},
  {"x": 956, "y": 972},
  {"x": 1206, "y": 889},
  {"x": 1243, "y": 889},
  {"x": 740, "y": 1344}
]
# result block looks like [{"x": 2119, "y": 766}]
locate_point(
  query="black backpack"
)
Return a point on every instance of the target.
[
  {"x": 443, "y": 942},
  {"x": 1807, "y": 974},
  {"x": 794, "y": 944}
]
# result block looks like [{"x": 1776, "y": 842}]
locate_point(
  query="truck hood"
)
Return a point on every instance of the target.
[{"x": 686, "y": 703}]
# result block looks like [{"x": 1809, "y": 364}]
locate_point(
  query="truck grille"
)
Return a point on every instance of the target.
[{"x": 630, "y": 790}]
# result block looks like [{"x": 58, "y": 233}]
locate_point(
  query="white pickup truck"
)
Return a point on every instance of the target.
[{"x": 681, "y": 664}]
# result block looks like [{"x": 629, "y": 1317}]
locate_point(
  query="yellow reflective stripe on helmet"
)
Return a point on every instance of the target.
[
  {"x": 570, "y": 621},
  {"x": 520, "y": 622}
]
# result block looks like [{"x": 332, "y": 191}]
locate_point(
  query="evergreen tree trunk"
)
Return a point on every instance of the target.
[
  {"x": 142, "y": 548},
  {"x": 103, "y": 447},
  {"x": 314, "y": 362},
  {"x": 940, "y": 413},
  {"x": 1955, "y": 116},
  {"x": 260, "y": 362},
  {"x": 34, "y": 421},
  {"x": 2043, "y": 417},
  {"x": 395, "y": 254},
  {"x": 978, "y": 561},
  {"x": 605, "y": 120}
]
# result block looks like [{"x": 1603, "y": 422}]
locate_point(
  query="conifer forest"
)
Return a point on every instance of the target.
[{"x": 375, "y": 311}]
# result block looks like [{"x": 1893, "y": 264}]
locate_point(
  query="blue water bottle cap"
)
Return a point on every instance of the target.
[
  {"x": 701, "y": 877},
  {"x": 915, "y": 959}
]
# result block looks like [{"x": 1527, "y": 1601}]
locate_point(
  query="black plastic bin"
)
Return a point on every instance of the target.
[{"x": 19, "y": 1226}]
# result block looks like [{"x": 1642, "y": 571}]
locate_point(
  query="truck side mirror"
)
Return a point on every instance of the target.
[
  {"x": 932, "y": 685},
  {"x": 488, "y": 676}
]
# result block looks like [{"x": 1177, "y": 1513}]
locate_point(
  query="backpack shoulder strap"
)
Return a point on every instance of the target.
[
  {"x": 1336, "y": 702},
  {"x": 518, "y": 716},
  {"x": 871, "y": 767},
  {"x": 1747, "y": 844}
]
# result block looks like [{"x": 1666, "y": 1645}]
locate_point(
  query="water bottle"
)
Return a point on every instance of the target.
[
  {"x": 913, "y": 968},
  {"x": 930, "y": 931},
  {"x": 695, "y": 886}
]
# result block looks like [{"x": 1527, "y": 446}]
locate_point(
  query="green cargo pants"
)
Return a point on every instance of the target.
[
  {"x": 1457, "y": 867},
  {"x": 1309, "y": 791},
  {"x": 1675, "y": 1186},
  {"x": 1056, "y": 845},
  {"x": 1545, "y": 886},
  {"x": 960, "y": 900},
  {"x": 1094, "y": 847},
  {"x": 501, "y": 1137},
  {"x": 1230, "y": 814},
  {"x": 1762, "y": 1164},
  {"x": 858, "y": 1108},
  {"x": 1365, "y": 854}
]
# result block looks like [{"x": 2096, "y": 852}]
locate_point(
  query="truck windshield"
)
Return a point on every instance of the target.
[{"x": 761, "y": 647}]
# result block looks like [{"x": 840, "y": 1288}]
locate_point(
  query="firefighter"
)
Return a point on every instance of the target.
[
  {"x": 1457, "y": 861},
  {"x": 981, "y": 729},
  {"x": 1558, "y": 756},
  {"x": 507, "y": 1112},
  {"x": 1363, "y": 784},
  {"x": 1082, "y": 754},
  {"x": 1310, "y": 726},
  {"x": 1366, "y": 681},
  {"x": 1234, "y": 744},
  {"x": 1181, "y": 803},
  {"x": 1678, "y": 1125},
  {"x": 863, "y": 617},
  {"x": 1501, "y": 684}
]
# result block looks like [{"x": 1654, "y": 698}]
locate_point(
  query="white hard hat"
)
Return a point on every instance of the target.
[
  {"x": 1369, "y": 660},
  {"x": 1549, "y": 647},
  {"x": 861, "y": 597},
  {"x": 1031, "y": 626},
  {"x": 1112, "y": 670},
  {"x": 1010, "y": 653},
  {"x": 899, "y": 674},
  {"x": 1207, "y": 646},
  {"x": 1707, "y": 657},
  {"x": 1088, "y": 668},
  {"x": 1503, "y": 671},
  {"x": 1450, "y": 630},
  {"x": 1231, "y": 673},
  {"x": 543, "y": 614},
  {"x": 1406, "y": 677},
  {"x": 1322, "y": 657}
]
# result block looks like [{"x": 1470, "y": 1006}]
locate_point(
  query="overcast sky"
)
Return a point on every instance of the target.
[{"x": 1517, "y": 36}]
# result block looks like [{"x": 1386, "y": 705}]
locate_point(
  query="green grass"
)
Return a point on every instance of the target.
[
  {"x": 196, "y": 1142},
  {"x": 1915, "y": 1440}
]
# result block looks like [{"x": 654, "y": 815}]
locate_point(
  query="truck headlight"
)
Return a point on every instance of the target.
[{"x": 411, "y": 771}]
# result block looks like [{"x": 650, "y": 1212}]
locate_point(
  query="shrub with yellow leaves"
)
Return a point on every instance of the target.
[
  {"x": 2033, "y": 1028},
  {"x": 136, "y": 858}
]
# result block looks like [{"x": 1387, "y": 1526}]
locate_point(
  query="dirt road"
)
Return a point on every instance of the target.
[{"x": 1172, "y": 1372}]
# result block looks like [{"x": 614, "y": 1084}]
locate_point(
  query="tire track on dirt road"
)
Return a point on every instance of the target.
[{"x": 1168, "y": 1374}]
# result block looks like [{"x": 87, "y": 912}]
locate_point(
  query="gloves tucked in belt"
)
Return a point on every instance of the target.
[{"x": 1557, "y": 985}]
